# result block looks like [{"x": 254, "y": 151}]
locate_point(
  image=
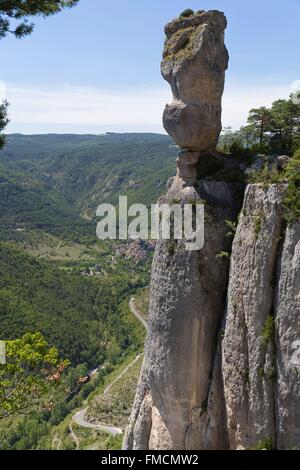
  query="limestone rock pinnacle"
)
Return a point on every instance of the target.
[{"x": 194, "y": 63}]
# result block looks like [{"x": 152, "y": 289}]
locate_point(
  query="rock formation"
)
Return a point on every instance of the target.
[
  {"x": 217, "y": 370},
  {"x": 194, "y": 63}
]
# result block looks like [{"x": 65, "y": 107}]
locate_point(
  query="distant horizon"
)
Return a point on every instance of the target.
[
  {"x": 108, "y": 73},
  {"x": 88, "y": 133}
]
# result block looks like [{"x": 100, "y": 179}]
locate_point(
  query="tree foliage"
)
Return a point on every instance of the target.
[
  {"x": 3, "y": 121},
  {"x": 274, "y": 130},
  {"x": 259, "y": 119},
  {"x": 15, "y": 14},
  {"x": 30, "y": 376},
  {"x": 292, "y": 197},
  {"x": 79, "y": 316}
]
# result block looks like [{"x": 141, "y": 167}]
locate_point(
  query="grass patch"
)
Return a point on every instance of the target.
[
  {"x": 223, "y": 254},
  {"x": 265, "y": 444},
  {"x": 258, "y": 219},
  {"x": 114, "y": 407},
  {"x": 268, "y": 330}
]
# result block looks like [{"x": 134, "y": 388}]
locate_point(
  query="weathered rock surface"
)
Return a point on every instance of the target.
[
  {"x": 181, "y": 370},
  {"x": 287, "y": 342},
  {"x": 194, "y": 63},
  {"x": 222, "y": 356},
  {"x": 261, "y": 360},
  {"x": 248, "y": 357},
  {"x": 182, "y": 366}
]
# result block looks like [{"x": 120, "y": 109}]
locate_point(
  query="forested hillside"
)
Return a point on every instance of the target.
[
  {"x": 54, "y": 183},
  {"x": 68, "y": 285},
  {"x": 80, "y": 316}
]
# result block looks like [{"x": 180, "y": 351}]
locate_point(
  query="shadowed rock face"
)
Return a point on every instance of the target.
[{"x": 194, "y": 63}]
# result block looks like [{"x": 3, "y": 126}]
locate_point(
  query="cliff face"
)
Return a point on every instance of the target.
[
  {"x": 261, "y": 383},
  {"x": 217, "y": 371}
]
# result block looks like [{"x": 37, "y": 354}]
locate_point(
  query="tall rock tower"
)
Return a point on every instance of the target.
[
  {"x": 181, "y": 378},
  {"x": 194, "y": 63},
  {"x": 222, "y": 358}
]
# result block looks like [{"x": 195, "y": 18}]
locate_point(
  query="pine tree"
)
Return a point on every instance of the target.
[
  {"x": 259, "y": 120},
  {"x": 21, "y": 10}
]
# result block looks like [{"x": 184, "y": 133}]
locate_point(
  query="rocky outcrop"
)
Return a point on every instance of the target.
[
  {"x": 287, "y": 342},
  {"x": 261, "y": 360},
  {"x": 181, "y": 369},
  {"x": 194, "y": 63},
  {"x": 222, "y": 357},
  {"x": 248, "y": 346}
]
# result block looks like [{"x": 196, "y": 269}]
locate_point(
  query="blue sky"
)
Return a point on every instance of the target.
[{"x": 96, "y": 67}]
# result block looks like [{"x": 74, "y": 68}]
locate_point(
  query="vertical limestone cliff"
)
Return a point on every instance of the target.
[
  {"x": 220, "y": 367},
  {"x": 260, "y": 364}
]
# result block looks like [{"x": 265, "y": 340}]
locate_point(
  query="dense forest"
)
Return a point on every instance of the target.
[
  {"x": 54, "y": 183},
  {"x": 78, "y": 315}
]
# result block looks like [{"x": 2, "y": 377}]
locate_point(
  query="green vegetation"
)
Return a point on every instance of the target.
[
  {"x": 265, "y": 444},
  {"x": 25, "y": 432},
  {"x": 232, "y": 226},
  {"x": 54, "y": 183},
  {"x": 291, "y": 177},
  {"x": 212, "y": 168},
  {"x": 142, "y": 298},
  {"x": 292, "y": 196},
  {"x": 109, "y": 403},
  {"x": 223, "y": 254},
  {"x": 69, "y": 436},
  {"x": 22, "y": 11},
  {"x": 25, "y": 206},
  {"x": 268, "y": 330},
  {"x": 30, "y": 374},
  {"x": 186, "y": 13},
  {"x": 86, "y": 318},
  {"x": 80, "y": 316},
  {"x": 274, "y": 130},
  {"x": 258, "y": 220},
  {"x": 50, "y": 187},
  {"x": 113, "y": 407},
  {"x": 3, "y": 121}
]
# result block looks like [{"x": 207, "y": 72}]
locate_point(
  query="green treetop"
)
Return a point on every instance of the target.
[
  {"x": 30, "y": 376},
  {"x": 20, "y": 11}
]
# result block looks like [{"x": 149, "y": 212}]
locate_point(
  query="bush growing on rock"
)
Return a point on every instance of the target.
[{"x": 186, "y": 13}]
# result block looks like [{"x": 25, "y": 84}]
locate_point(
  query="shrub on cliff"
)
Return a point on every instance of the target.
[
  {"x": 187, "y": 13},
  {"x": 291, "y": 176},
  {"x": 292, "y": 198}
]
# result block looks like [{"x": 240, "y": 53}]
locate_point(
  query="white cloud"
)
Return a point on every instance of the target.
[
  {"x": 92, "y": 108},
  {"x": 87, "y": 109},
  {"x": 238, "y": 99}
]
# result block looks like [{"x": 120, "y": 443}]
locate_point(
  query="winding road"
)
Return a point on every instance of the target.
[
  {"x": 136, "y": 313},
  {"x": 79, "y": 417}
]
